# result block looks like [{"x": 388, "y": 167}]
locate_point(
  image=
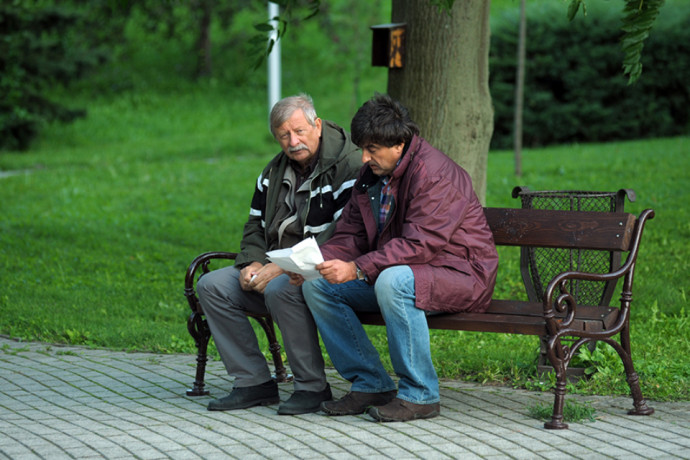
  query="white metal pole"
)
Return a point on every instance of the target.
[{"x": 274, "y": 77}]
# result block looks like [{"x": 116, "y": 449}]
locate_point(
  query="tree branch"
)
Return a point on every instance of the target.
[{"x": 638, "y": 19}]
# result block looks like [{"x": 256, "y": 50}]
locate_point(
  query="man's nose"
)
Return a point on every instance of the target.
[
  {"x": 365, "y": 157},
  {"x": 294, "y": 139}
]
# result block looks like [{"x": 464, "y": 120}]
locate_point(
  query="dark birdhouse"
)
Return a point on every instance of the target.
[{"x": 388, "y": 48}]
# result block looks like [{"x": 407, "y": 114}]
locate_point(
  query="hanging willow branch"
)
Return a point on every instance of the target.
[
  {"x": 639, "y": 16},
  {"x": 261, "y": 48},
  {"x": 638, "y": 19}
]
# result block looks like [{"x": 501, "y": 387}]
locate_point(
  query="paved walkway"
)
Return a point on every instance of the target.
[{"x": 70, "y": 402}]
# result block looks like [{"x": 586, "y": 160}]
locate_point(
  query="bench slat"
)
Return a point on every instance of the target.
[
  {"x": 512, "y": 317},
  {"x": 607, "y": 231}
]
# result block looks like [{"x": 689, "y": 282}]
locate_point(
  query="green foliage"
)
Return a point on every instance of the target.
[
  {"x": 32, "y": 57},
  {"x": 574, "y": 7},
  {"x": 211, "y": 37},
  {"x": 276, "y": 27},
  {"x": 603, "y": 362},
  {"x": 157, "y": 47},
  {"x": 574, "y": 90},
  {"x": 42, "y": 45},
  {"x": 639, "y": 17}
]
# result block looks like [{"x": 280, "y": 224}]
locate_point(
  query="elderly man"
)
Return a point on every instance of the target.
[
  {"x": 413, "y": 240},
  {"x": 299, "y": 194}
]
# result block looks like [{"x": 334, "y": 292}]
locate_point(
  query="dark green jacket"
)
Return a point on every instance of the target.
[{"x": 331, "y": 186}]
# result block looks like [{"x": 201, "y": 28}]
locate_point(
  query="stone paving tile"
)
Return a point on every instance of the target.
[{"x": 71, "y": 402}]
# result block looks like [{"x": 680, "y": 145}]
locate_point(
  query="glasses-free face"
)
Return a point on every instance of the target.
[
  {"x": 298, "y": 139},
  {"x": 382, "y": 160}
]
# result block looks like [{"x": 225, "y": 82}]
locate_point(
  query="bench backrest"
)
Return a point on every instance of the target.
[
  {"x": 539, "y": 265},
  {"x": 561, "y": 229}
]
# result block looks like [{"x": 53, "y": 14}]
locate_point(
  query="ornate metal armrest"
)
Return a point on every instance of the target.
[{"x": 201, "y": 262}]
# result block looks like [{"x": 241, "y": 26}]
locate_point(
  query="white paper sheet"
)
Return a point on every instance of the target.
[{"x": 302, "y": 258}]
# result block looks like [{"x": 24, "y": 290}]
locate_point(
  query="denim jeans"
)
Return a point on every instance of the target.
[{"x": 333, "y": 307}]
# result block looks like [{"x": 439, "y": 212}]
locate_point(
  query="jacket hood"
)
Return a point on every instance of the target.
[{"x": 334, "y": 140}]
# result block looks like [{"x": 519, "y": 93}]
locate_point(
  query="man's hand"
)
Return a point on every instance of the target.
[
  {"x": 247, "y": 273},
  {"x": 337, "y": 271},
  {"x": 296, "y": 279},
  {"x": 255, "y": 277}
]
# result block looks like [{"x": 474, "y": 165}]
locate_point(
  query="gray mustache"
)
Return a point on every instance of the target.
[{"x": 298, "y": 147}]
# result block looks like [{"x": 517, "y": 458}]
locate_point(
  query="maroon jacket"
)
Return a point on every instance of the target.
[{"x": 437, "y": 227}]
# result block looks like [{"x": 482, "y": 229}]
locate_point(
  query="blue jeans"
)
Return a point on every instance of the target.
[{"x": 333, "y": 307}]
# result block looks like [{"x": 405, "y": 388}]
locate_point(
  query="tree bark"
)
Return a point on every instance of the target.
[
  {"x": 519, "y": 90},
  {"x": 204, "y": 68},
  {"x": 445, "y": 79}
]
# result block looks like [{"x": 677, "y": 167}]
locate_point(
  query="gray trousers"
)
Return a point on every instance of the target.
[{"x": 225, "y": 303}]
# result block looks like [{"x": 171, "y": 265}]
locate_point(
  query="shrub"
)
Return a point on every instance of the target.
[
  {"x": 38, "y": 51},
  {"x": 575, "y": 90}
]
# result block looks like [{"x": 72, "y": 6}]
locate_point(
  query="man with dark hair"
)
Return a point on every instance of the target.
[
  {"x": 412, "y": 240},
  {"x": 299, "y": 194}
]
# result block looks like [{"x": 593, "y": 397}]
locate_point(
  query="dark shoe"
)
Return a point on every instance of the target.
[
  {"x": 244, "y": 397},
  {"x": 357, "y": 402},
  {"x": 402, "y": 411},
  {"x": 305, "y": 402}
]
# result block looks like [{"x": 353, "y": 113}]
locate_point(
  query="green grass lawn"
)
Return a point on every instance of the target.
[
  {"x": 98, "y": 229},
  {"x": 101, "y": 219}
]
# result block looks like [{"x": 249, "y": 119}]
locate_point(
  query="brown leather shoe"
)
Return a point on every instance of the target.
[
  {"x": 357, "y": 402},
  {"x": 402, "y": 411}
]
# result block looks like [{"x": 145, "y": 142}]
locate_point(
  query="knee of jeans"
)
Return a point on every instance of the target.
[
  {"x": 309, "y": 291},
  {"x": 394, "y": 279}
]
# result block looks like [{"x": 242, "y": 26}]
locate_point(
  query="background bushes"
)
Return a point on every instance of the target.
[
  {"x": 575, "y": 90},
  {"x": 43, "y": 45}
]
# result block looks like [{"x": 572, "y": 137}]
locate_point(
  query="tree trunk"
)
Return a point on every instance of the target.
[
  {"x": 520, "y": 90},
  {"x": 445, "y": 79},
  {"x": 204, "y": 67}
]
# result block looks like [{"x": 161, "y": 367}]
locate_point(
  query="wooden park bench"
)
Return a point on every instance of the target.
[{"x": 562, "y": 323}]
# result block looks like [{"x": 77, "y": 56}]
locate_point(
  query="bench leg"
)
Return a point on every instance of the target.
[
  {"x": 556, "y": 422},
  {"x": 561, "y": 364},
  {"x": 624, "y": 351},
  {"x": 266, "y": 323},
  {"x": 639, "y": 402},
  {"x": 198, "y": 329},
  {"x": 559, "y": 361}
]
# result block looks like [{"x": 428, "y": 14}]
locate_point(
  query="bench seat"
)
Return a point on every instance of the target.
[{"x": 510, "y": 317}]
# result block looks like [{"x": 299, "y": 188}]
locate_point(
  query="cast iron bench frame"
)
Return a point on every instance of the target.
[
  {"x": 564, "y": 325},
  {"x": 539, "y": 265}
]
